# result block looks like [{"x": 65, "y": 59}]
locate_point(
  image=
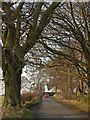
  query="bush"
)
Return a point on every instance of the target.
[{"x": 25, "y": 97}]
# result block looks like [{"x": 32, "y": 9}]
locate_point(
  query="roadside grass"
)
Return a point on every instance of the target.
[
  {"x": 23, "y": 111},
  {"x": 28, "y": 104},
  {"x": 1, "y": 100},
  {"x": 27, "y": 114},
  {"x": 80, "y": 105},
  {"x": 17, "y": 112},
  {"x": 34, "y": 102}
]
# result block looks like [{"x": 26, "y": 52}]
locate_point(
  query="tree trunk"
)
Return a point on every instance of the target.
[
  {"x": 12, "y": 88},
  {"x": 81, "y": 86},
  {"x": 79, "y": 89},
  {"x": 12, "y": 69}
]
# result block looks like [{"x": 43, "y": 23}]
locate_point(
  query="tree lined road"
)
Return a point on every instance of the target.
[
  {"x": 50, "y": 109},
  {"x": 51, "y": 39}
]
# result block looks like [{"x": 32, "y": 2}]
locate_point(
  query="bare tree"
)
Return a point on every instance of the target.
[
  {"x": 23, "y": 24},
  {"x": 67, "y": 35}
]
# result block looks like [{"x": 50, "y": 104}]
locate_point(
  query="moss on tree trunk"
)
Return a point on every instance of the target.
[
  {"x": 12, "y": 71},
  {"x": 12, "y": 88}
]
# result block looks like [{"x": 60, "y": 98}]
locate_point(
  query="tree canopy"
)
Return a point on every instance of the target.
[
  {"x": 22, "y": 25},
  {"x": 36, "y": 31}
]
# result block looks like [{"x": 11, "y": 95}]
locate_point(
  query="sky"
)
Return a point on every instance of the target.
[{"x": 45, "y": 0}]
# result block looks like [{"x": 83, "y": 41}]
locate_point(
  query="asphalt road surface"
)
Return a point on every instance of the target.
[{"x": 47, "y": 108}]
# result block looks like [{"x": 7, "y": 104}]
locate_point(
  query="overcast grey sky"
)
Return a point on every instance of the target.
[{"x": 45, "y": 0}]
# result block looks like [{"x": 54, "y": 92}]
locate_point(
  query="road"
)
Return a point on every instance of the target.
[{"x": 50, "y": 109}]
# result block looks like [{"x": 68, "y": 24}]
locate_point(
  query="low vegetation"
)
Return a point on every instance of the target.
[
  {"x": 29, "y": 97},
  {"x": 78, "y": 103},
  {"x": 16, "y": 112},
  {"x": 27, "y": 100},
  {"x": 1, "y": 100}
]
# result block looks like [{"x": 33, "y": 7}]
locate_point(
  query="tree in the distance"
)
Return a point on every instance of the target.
[{"x": 70, "y": 38}]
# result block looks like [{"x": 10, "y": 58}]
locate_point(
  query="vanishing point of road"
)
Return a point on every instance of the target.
[{"x": 47, "y": 108}]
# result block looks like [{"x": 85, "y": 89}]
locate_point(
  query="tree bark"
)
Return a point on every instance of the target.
[
  {"x": 12, "y": 88},
  {"x": 12, "y": 70}
]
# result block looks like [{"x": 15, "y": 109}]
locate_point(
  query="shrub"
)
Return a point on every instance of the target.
[{"x": 25, "y": 97}]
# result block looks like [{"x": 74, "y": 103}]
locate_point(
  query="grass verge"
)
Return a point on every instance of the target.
[
  {"x": 16, "y": 112},
  {"x": 1, "y": 99},
  {"x": 82, "y": 106},
  {"x": 20, "y": 112},
  {"x": 31, "y": 103}
]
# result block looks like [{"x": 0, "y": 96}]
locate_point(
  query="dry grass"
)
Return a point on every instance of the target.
[
  {"x": 27, "y": 99},
  {"x": 77, "y": 104},
  {"x": 16, "y": 112},
  {"x": 1, "y": 100},
  {"x": 80, "y": 105}
]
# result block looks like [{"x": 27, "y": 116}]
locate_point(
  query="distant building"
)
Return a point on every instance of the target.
[{"x": 53, "y": 89}]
